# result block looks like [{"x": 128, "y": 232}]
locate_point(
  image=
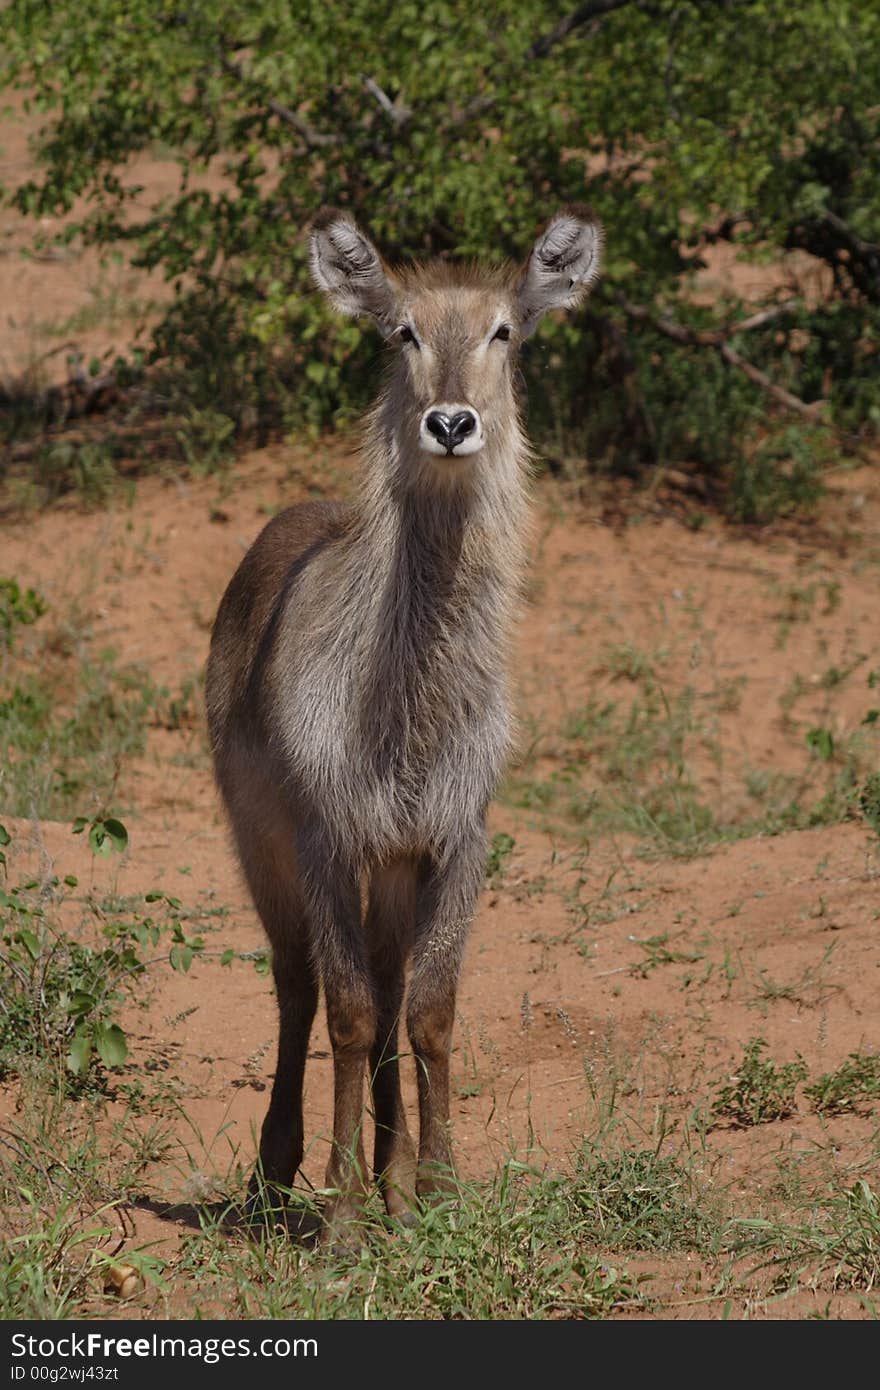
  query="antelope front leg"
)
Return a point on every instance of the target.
[
  {"x": 281, "y": 1141},
  {"x": 351, "y": 1021},
  {"x": 388, "y": 930},
  {"x": 446, "y": 904},
  {"x": 335, "y": 919}
]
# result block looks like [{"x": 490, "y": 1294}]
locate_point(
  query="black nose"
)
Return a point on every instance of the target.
[{"x": 450, "y": 432}]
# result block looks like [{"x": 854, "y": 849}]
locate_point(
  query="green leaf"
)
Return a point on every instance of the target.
[
  {"x": 227, "y": 957},
  {"x": 80, "y": 1053},
  {"x": 30, "y": 942},
  {"x": 111, "y": 1044},
  {"x": 107, "y": 836},
  {"x": 81, "y": 1003},
  {"x": 5, "y": 837},
  {"x": 181, "y": 957},
  {"x": 822, "y": 741}
]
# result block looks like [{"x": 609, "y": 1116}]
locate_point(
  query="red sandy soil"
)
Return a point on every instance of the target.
[{"x": 557, "y": 995}]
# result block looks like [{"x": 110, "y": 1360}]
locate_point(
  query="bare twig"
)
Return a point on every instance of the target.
[
  {"x": 582, "y": 15},
  {"x": 810, "y": 410},
  {"x": 864, "y": 248},
  {"x": 80, "y": 394},
  {"x": 708, "y": 337},
  {"x": 764, "y": 316},
  {"x": 720, "y": 338},
  {"x": 397, "y": 111},
  {"x": 315, "y": 139}
]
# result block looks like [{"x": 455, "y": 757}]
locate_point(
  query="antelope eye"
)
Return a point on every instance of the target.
[
  {"x": 407, "y": 335},
  {"x": 502, "y": 334}
]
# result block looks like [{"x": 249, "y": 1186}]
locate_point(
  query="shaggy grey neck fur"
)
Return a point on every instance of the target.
[{"x": 402, "y": 679}]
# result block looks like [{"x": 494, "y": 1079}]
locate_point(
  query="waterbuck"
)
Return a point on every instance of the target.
[{"x": 357, "y": 698}]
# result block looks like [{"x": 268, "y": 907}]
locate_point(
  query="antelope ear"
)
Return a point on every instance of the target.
[
  {"x": 564, "y": 262},
  {"x": 349, "y": 269}
]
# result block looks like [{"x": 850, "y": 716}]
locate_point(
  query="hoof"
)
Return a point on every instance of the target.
[
  {"x": 437, "y": 1183},
  {"x": 408, "y": 1219},
  {"x": 342, "y": 1242},
  {"x": 400, "y": 1205},
  {"x": 343, "y": 1233}
]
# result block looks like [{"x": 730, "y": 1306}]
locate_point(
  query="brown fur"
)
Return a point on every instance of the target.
[{"x": 357, "y": 703}]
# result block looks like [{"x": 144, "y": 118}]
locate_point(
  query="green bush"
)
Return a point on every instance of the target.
[
  {"x": 61, "y": 995},
  {"x": 453, "y": 130}
]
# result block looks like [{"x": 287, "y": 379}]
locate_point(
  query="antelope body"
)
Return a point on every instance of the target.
[{"x": 357, "y": 699}]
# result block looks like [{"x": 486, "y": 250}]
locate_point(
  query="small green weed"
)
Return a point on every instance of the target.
[
  {"x": 206, "y": 439},
  {"x": 821, "y": 740},
  {"x": 88, "y": 468},
  {"x": 65, "y": 729},
  {"x": 49, "y": 1270},
  {"x": 853, "y": 1084},
  {"x": 62, "y": 1223},
  {"x": 658, "y": 952},
  {"x": 759, "y": 1092},
  {"x": 869, "y": 801},
  {"x": 18, "y": 608},
  {"x": 500, "y": 850}
]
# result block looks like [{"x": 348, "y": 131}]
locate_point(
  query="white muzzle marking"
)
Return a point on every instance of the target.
[{"x": 440, "y": 441}]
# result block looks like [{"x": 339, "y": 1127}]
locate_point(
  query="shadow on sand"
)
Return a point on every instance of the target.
[{"x": 301, "y": 1223}]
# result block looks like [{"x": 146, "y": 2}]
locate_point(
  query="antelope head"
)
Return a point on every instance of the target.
[{"x": 456, "y": 329}]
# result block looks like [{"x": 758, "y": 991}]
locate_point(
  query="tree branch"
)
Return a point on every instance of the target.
[
  {"x": 79, "y": 395},
  {"x": 582, "y": 15},
  {"x": 705, "y": 337},
  {"x": 809, "y": 410},
  {"x": 855, "y": 242},
  {"x": 719, "y": 339},
  {"x": 397, "y": 111},
  {"x": 315, "y": 139}
]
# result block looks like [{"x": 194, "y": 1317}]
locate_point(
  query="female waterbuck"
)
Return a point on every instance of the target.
[{"x": 357, "y": 697}]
